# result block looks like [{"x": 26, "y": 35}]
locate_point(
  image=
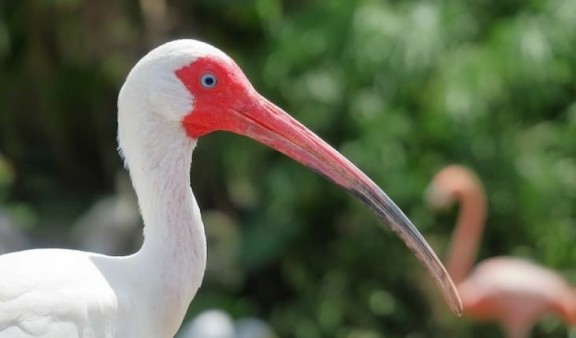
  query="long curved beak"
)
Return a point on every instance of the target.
[{"x": 264, "y": 122}]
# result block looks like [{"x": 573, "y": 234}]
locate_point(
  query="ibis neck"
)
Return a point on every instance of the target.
[
  {"x": 172, "y": 225},
  {"x": 173, "y": 257}
]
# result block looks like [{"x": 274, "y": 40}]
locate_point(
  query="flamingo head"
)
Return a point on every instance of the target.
[{"x": 449, "y": 185}]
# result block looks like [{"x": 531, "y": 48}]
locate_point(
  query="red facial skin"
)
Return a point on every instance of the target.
[
  {"x": 214, "y": 107},
  {"x": 234, "y": 105}
]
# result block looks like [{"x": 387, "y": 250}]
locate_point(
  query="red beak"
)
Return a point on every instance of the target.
[{"x": 264, "y": 122}]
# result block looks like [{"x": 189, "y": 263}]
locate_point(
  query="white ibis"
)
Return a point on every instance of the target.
[{"x": 175, "y": 94}]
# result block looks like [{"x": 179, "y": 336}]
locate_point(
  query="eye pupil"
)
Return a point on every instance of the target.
[{"x": 208, "y": 80}]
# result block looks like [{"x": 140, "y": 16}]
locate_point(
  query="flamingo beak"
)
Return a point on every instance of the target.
[{"x": 264, "y": 122}]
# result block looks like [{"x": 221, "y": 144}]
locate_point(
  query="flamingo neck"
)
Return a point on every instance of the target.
[{"x": 468, "y": 231}]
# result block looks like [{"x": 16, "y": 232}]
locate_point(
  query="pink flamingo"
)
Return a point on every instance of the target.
[{"x": 511, "y": 291}]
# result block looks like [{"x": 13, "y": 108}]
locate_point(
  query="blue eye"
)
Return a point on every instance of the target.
[{"x": 208, "y": 80}]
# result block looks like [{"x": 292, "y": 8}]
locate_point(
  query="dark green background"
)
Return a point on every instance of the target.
[{"x": 402, "y": 88}]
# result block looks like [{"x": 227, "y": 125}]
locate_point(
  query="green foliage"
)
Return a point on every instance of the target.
[{"x": 402, "y": 88}]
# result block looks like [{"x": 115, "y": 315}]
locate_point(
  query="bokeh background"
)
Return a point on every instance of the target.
[{"x": 402, "y": 88}]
